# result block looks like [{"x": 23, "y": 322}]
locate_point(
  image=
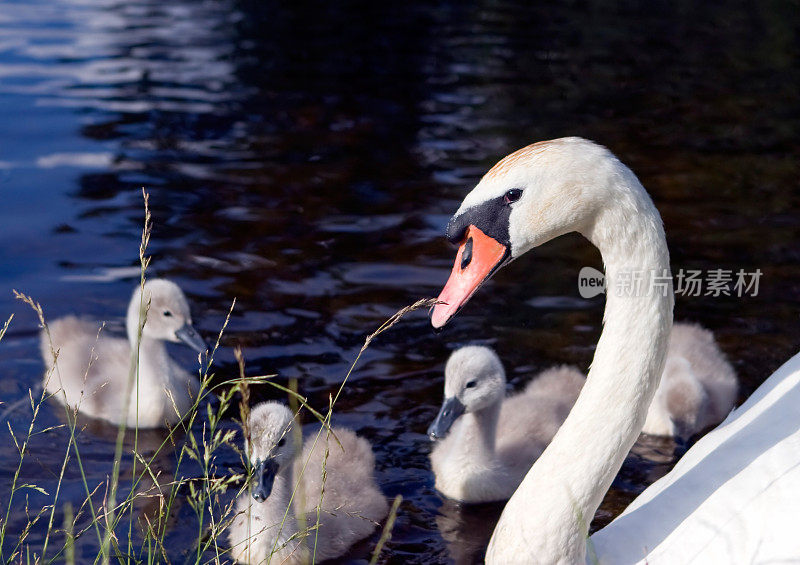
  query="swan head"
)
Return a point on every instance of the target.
[
  {"x": 531, "y": 196},
  {"x": 168, "y": 318},
  {"x": 474, "y": 379},
  {"x": 270, "y": 447}
]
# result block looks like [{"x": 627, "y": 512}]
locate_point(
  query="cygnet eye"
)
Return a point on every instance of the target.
[
  {"x": 167, "y": 313},
  {"x": 512, "y": 195},
  {"x": 471, "y": 384},
  {"x": 282, "y": 442}
]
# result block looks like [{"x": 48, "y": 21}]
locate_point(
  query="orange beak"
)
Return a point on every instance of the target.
[{"x": 477, "y": 259}]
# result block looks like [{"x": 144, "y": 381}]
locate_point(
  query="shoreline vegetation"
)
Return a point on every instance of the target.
[{"x": 128, "y": 515}]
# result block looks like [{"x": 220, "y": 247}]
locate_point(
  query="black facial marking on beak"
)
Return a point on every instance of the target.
[
  {"x": 466, "y": 255},
  {"x": 491, "y": 217},
  {"x": 450, "y": 411},
  {"x": 264, "y": 477},
  {"x": 188, "y": 335},
  {"x": 457, "y": 227}
]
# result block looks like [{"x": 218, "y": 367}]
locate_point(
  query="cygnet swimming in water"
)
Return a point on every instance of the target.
[
  {"x": 92, "y": 373},
  {"x": 352, "y": 504},
  {"x": 698, "y": 386},
  {"x": 487, "y": 442}
]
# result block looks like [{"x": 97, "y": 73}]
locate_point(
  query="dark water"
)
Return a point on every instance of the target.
[{"x": 305, "y": 161}]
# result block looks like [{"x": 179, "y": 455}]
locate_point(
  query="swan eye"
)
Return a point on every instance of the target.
[
  {"x": 282, "y": 442},
  {"x": 471, "y": 384},
  {"x": 167, "y": 313},
  {"x": 512, "y": 195}
]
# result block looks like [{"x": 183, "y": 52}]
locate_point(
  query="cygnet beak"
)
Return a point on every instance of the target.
[
  {"x": 265, "y": 472},
  {"x": 451, "y": 409},
  {"x": 188, "y": 335}
]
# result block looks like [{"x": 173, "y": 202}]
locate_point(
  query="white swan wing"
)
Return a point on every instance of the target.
[{"x": 733, "y": 497}]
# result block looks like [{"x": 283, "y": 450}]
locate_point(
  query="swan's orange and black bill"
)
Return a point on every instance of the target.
[{"x": 478, "y": 257}]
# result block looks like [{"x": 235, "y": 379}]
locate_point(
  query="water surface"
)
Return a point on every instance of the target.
[{"x": 305, "y": 160}]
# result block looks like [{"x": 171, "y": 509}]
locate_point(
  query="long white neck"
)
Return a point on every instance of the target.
[
  {"x": 547, "y": 520},
  {"x": 148, "y": 404},
  {"x": 266, "y": 535},
  {"x": 273, "y": 508},
  {"x": 153, "y": 359},
  {"x": 477, "y": 434},
  {"x": 137, "y": 314},
  {"x": 154, "y": 369}
]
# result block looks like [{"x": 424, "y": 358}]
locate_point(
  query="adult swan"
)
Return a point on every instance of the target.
[{"x": 733, "y": 497}]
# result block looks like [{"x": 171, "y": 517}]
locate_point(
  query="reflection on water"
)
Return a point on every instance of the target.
[
  {"x": 305, "y": 160},
  {"x": 464, "y": 529}
]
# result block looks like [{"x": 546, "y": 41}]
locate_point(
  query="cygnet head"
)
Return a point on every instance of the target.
[
  {"x": 686, "y": 399},
  {"x": 168, "y": 317},
  {"x": 270, "y": 447},
  {"x": 474, "y": 379}
]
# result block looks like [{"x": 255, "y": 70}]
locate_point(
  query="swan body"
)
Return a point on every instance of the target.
[
  {"x": 489, "y": 442},
  {"x": 750, "y": 463},
  {"x": 90, "y": 371},
  {"x": 698, "y": 387},
  {"x": 263, "y": 530},
  {"x": 732, "y": 498}
]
